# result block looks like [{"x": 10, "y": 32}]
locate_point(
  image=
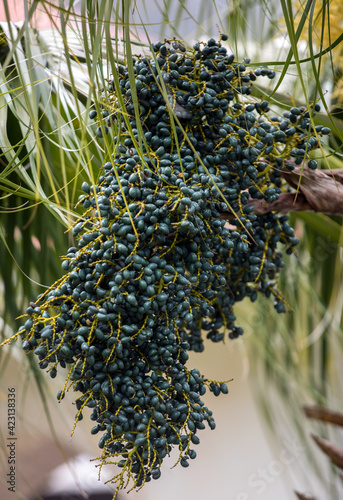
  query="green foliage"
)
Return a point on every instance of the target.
[{"x": 43, "y": 145}]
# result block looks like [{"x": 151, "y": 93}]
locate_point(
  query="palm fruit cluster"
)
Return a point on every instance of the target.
[{"x": 156, "y": 263}]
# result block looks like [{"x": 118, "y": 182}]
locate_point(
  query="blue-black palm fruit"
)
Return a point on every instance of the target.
[{"x": 156, "y": 263}]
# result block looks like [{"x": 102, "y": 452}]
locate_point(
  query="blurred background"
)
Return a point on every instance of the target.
[{"x": 54, "y": 59}]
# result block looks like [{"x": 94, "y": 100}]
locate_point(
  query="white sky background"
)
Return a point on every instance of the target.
[{"x": 203, "y": 20}]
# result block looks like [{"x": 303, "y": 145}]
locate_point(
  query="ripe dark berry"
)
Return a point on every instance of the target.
[{"x": 156, "y": 267}]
